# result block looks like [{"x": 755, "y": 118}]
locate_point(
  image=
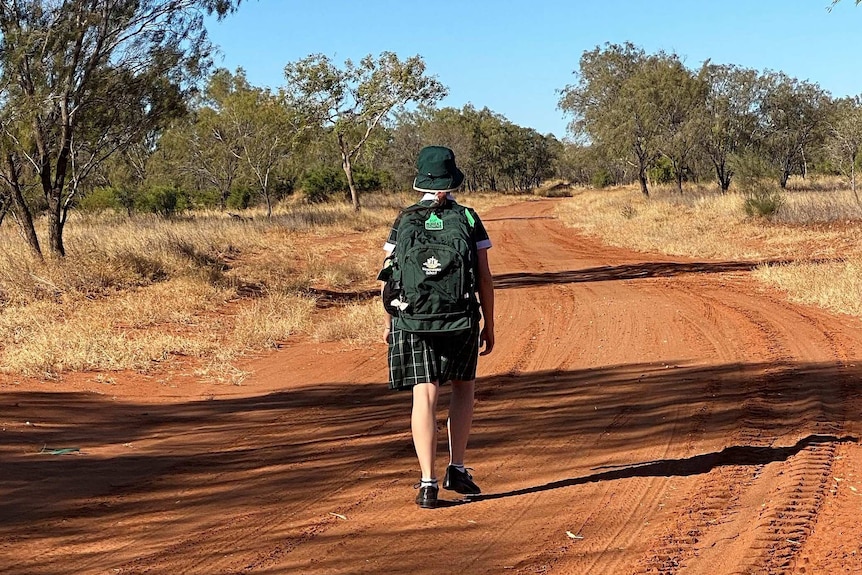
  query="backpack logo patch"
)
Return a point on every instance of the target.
[
  {"x": 434, "y": 223},
  {"x": 431, "y": 267}
]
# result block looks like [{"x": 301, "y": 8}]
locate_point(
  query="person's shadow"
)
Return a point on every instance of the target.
[{"x": 698, "y": 464}]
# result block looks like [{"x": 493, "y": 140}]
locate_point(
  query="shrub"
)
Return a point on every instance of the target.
[
  {"x": 762, "y": 196},
  {"x": 763, "y": 201},
  {"x": 366, "y": 179},
  {"x": 601, "y": 179},
  {"x": 99, "y": 200},
  {"x": 165, "y": 201},
  {"x": 208, "y": 199},
  {"x": 320, "y": 182},
  {"x": 662, "y": 172},
  {"x": 239, "y": 198}
]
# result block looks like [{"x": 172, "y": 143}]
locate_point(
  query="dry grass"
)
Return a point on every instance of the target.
[
  {"x": 211, "y": 288},
  {"x": 359, "y": 323},
  {"x": 270, "y": 320},
  {"x": 836, "y": 286},
  {"x": 820, "y": 228}
]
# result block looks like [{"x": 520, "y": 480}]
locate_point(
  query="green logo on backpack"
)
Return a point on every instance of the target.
[{"x": 433, "y": 223}]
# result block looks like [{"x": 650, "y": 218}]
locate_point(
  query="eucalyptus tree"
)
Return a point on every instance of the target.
[
  {"x": 204, "y": 145},
  {"x": 405, "y": 140},
  {"x": 844, "y": 141},
  {"x": 85, "y": 78},
  {"x": 614, "y": 105},
  {"x": 528, "y": 157},
  {"x": 457, "y": 130},
  {"x": 680, "y": 98},
  {"x": 269, "y": 132},
  {"x": 792, "y": 119},
  {"x": 355, "y": 99},
  {"x": 730, "y": 119}
]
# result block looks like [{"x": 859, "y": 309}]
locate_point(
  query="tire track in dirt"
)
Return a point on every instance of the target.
[{"x": 794, "y": 494}]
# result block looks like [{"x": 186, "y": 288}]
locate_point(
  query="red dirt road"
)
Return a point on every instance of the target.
[{"x": 641, "y": 414}]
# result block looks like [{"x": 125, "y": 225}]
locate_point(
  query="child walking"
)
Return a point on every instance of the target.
[{"x": 422, "y": 359}]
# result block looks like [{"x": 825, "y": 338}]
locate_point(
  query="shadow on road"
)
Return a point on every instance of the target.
[
  {"x": 699, "y": 464},
  {"x": 625, "y": 272},
  {"x": 138, "y": 459}
]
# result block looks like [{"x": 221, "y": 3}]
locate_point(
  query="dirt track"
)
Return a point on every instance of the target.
[{"x": 641, "y": 414}]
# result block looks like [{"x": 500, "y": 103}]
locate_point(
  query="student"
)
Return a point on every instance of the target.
[{"x": 422, "y": 362}]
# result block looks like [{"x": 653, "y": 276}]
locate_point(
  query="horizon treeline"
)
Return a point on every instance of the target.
[{"x": 100, "y": 112}]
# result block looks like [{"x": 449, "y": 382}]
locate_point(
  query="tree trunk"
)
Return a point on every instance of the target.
[
  {"x": 348, "y": 171},
  {"x": 642, "y": 176},
  {"x": 641, "y": 156},
  {"x": 804, "y": 162},
  {"x": 20, "y": 209},
  {"x": 55, "y": 225},
  {"x": 268, "y": 200},
  {"x": 782, "y": 179},
  {"x": 853, "y": 182},
  {"x": 677, "y": 171},
  {"x": 722, "y": 174}
]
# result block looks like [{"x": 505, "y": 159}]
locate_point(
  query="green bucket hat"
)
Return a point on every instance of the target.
[{"x": 437, "y": 171}]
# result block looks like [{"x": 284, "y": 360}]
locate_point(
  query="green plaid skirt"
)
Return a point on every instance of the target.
[{"x": 423, "y": 358}]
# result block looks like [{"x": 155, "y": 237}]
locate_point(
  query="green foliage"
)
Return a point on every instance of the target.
[
  {"x": 100, "y": 200},
  {"x": 367, "y": 179},
  {"x": 208, "y": 198},
  {"x": 88, "y": 80},
  {"x": 793, "y": 116},
  {"x": 356, "y": 98},
  {"x": 166, "y": 201},
  {"x": 662, "y": 171},
  {"x": 321, "y": 182},
  {"x": 601, "y": 178},
  {"x": 762, "y": 196},
  {"x": 125, "y": 198},
  {"x": 764, "y": 201},
  {"x": 239, "y": 198}
]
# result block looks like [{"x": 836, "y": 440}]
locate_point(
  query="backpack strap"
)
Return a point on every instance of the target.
[{"x": 470, "y": 219}]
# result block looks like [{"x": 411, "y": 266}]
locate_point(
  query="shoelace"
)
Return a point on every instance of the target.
[{"x": 467, "y": 471}]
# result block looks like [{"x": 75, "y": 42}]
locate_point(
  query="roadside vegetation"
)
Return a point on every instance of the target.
[
  {"x": 138, "y": 293},
  {"x": 816, "y": 234}
]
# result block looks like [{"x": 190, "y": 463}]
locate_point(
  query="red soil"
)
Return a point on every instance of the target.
[{"x": 641, "y": 414}]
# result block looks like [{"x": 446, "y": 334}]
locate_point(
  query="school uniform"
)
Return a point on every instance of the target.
[{"x": 422, "y": 358}]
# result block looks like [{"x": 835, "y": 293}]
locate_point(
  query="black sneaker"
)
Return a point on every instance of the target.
[
  {"x": 460, "y": 482},
  {"x": 427, "y": 496}
]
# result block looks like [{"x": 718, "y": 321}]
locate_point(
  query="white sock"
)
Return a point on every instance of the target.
[{"x": 428, "y": 482}]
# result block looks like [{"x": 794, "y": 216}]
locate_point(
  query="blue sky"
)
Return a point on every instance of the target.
[{"x": 514, "y": 56}]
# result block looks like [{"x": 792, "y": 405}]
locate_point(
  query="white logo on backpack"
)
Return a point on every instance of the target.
[{"x": 431, "y": 267}]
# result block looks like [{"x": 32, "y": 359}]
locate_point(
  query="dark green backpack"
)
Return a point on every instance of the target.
[{"x": 430, "y": 279}]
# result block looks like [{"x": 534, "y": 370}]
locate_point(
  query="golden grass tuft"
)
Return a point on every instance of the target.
[
  {"x": 358, "y": 323},
  {"x": 270, "y": 320},
  {"x": 836, "y": 286}
]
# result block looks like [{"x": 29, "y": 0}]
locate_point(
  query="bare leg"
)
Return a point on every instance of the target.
[
  {"x": 460, "y": 419},
  {"x": 423, "y": 423}
]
